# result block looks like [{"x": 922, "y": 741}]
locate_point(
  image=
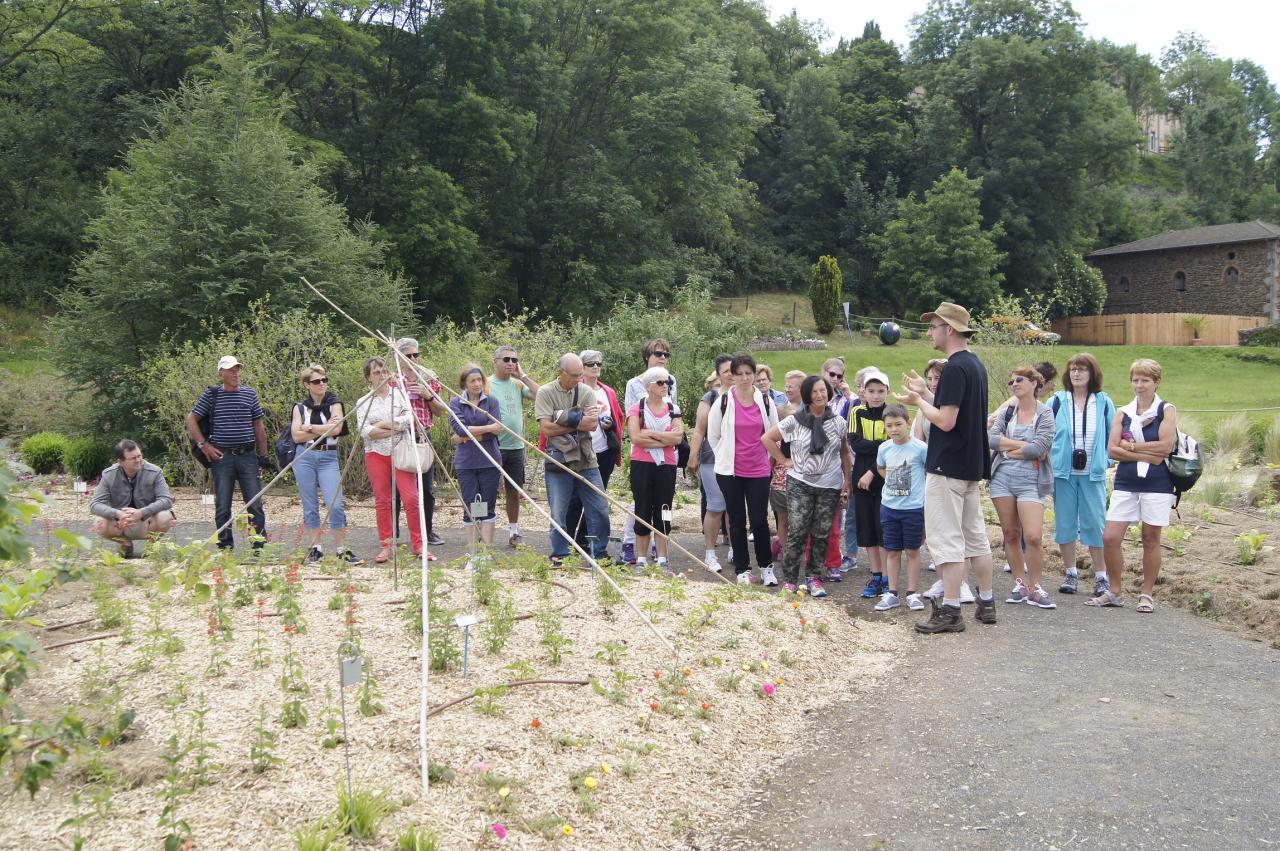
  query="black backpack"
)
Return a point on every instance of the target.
[
  {"x": 204, "y": 423},
  {"x": 286, "y": 448}
]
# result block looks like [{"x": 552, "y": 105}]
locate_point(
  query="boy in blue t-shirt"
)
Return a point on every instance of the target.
[{"x": 900, "y": 460}]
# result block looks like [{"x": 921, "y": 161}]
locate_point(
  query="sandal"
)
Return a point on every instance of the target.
[
  {"x": 1105, "y": 600},
  {"x": 1147, "y": 607},
  {"x": 383, "y": 555}
]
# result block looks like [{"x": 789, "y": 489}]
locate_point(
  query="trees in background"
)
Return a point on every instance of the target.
[{"x": 563, "y": 156}]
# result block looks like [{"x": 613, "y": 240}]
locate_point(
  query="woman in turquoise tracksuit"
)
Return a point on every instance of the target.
[{"x": 1083, "y": 414}]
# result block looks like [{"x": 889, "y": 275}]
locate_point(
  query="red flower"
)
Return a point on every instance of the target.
[
  {"x": 535, "y": 723},
  {"x": 654, "y": 706}
]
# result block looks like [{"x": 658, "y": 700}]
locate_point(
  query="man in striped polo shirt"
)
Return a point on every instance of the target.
[{"x": 236, "y": 446}]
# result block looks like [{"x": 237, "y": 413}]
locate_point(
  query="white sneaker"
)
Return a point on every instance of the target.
[
  {"x": 744, "y": 578},
  {"x": 966, "y": 595},
  {"x": 914, "y": 603},
  {"x": 935, "y": 591},
  {"x": 933, "y": 567},
  {"x": 888, "y": 600},
  {"x": 767, "y": 577},
  {"x": 713, "y": 563},
  {"x": 1007, "y": 568},
  {"x": 751, "y": 537}
]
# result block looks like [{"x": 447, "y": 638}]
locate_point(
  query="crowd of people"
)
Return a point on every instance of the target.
[{"x": 833, "y": 466}]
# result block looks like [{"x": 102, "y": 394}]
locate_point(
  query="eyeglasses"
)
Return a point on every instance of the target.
[
  {"x": 661, "y": 355},
  {"x": 838, "y": 376},
  {"x": 935, "y": 325},
  {"x": 509, "y": 359},
  {"x": 593, "y": 363},
  {"x": 412, "y": 355},
  {"x": 318, "y": 381}
]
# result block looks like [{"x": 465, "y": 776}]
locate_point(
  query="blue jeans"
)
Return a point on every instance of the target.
[
  {"x": 850, "y": 532},
  {"x": 228, "y": 470},
  {"x": 573, "y": 521},
  {"x": 561, "y": 487},
  {"x": 319, "y": 468}
]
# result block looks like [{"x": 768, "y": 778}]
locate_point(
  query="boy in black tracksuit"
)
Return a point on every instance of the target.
[{"x": 866, "y": 433}]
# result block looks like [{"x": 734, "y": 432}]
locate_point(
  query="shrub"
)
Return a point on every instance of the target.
[
  {"x": 87, "y": 457},
  {"x": 1271, "y": 443},
  {"x": 273, "y": 349},
  {"x": 824, "y": 293},
  {"x": 1268, "y": 335},
  {"x": 1231, "y": 438},
  {"x": 44, "y": 451}
]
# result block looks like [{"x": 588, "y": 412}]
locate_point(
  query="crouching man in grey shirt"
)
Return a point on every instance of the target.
[{"x": 132, "y": 500}]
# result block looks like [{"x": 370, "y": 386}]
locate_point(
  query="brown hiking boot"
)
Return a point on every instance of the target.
[
  {"x": 943, "y": 619},
  {"x": 986, "y": 610}
]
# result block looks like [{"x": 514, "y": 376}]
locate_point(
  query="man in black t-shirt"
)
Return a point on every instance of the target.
[{"x": 958, "y": 459}]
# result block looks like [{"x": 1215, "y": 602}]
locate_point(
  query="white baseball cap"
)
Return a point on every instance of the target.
[
  {"x": 228, "y": 361},
  {"x": 875, "y": 375}
]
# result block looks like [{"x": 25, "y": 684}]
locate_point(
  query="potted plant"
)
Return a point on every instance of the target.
[{"x": 1196, "y": 324}]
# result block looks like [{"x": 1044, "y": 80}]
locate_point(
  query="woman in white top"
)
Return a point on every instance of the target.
[
  {"x": 737, "y": 422},
  {"x": 384, "y": 416}
]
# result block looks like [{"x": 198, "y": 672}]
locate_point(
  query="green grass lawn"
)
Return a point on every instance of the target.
[
  {"x": 1194, "y": 378},
  {"x": 22, "y": 342}
]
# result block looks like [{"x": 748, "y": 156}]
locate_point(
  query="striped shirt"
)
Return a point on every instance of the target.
[{"x": 234, "y": 414}]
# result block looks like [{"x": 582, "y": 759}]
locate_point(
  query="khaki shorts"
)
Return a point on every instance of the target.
[{"x": 953, "y": 519}]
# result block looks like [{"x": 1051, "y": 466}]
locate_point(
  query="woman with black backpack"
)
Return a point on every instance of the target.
[
  {"x": 1142, "y": 437},
  {"x": 318, "y": 423}
]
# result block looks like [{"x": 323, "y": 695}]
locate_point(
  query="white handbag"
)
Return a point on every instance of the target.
[{"x": 412, "y": 457}]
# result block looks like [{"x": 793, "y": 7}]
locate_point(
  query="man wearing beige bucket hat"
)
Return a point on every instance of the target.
[{"x": 958, "y": 459}]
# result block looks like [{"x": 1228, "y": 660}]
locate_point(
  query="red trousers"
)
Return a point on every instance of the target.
[{"x": 380, "y": 469}]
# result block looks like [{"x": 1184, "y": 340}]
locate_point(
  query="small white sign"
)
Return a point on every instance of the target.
[
  {"x": 206, "y": 498},
  {"x": 81, "y": 487},
  {"x": 463, "y": 621},
  {"x": 846, "y": 311},
  {"x": 666, "y": 515}
]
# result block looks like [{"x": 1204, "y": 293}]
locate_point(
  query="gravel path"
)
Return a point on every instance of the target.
[{"x": 1072, "y": 728}]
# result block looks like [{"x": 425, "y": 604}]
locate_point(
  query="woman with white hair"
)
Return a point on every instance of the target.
[{"x": 655, "y": 427}]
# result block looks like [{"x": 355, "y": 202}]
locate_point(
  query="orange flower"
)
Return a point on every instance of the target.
[
  {"x": 683, "y": 691},
  {"x": 688, "y": 672},
  {"x": 654, "y": 706},
  {"x": 535, "y": 723},
  {"x": 706, "y": 707}
]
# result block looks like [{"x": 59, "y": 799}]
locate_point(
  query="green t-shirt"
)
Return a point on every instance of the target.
[{"x": 510, "y": 392}]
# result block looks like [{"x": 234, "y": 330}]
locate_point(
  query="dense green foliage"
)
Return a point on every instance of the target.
[
  {"x": 936, "y": 249},
  {"x": 43, "y": 451},
  {"x": 164, "y": 166},
  {"x": 86, "y": 457},
  {"x": 825, "y": 289}
]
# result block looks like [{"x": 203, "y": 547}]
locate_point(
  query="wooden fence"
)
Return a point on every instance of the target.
[{"x": 1151, "y": 329}]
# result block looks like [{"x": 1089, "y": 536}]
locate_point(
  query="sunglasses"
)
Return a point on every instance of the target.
[
  {"x": 508, "y": 359},
  {"x": 318, "y": 381},
  {"x": 593, "y": 363},
  {"x": 661, "y": 354},
  {"x": 1017, "y": 380},
  {"x": 666, "y": 383},
  {"x": 838, "y": 376},
  {"x": 412, "y": 355}
]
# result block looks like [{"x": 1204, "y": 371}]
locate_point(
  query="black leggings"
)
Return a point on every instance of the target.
[
  {"x": 747, "y": 499},
  {"x": 654, "y": 488}
]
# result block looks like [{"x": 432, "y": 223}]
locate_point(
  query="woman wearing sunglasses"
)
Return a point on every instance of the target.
[
  {"x": 317, "y": 424},
  {"x": 1021, "y": 480},
  {"x": 656, "y": 352},
  {"x": 656, "y": 429}
]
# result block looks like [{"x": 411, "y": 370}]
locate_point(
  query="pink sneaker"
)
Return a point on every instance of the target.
[
  {"x": 816, "y": 589},
  {"x": 775, "y": 547}
]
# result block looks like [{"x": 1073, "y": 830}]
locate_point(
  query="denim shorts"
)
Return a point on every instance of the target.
[
  {"x": 1018, "y": 480},
  {"x": 901, "y": 528}
]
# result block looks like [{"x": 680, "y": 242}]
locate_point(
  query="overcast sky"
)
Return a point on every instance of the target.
[{"x": 1239, "y": 29}]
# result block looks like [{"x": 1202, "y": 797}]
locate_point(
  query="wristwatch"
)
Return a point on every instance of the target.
[{"x": 201, "y": 444}]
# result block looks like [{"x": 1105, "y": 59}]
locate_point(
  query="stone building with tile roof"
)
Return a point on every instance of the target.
[{"x": 1220, "y": 269}]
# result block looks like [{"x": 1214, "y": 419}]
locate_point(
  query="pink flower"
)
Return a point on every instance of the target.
[
  {"x": 500, "y": 830},
  {"x": 768, "y": 689}
]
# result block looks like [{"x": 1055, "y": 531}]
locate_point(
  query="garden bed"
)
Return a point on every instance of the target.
[{"x": 643, "y": 756}]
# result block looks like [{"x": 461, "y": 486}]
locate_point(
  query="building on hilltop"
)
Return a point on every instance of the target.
[
  {"x": 1158, "y": 129},
  {"x": 1221, "y": 269}
]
